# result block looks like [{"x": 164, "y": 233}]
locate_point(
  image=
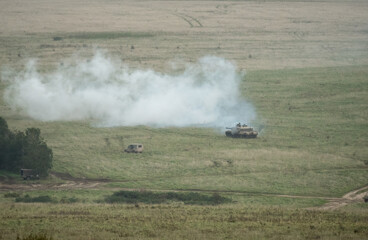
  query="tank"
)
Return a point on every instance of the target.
[{"x": 241, "y": 131}]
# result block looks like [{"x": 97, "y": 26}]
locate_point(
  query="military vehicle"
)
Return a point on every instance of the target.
[
  {"x": 28, "y": 174},
  {"x": 134, "y": 148},
  {"x": 241, "y": 131}
]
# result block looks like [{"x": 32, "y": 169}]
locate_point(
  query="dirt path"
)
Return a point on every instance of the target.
[
  {"x": 30, "y": 186},
  {"x": 71, "y": 182},
  {"x": 355, "y": 196}
]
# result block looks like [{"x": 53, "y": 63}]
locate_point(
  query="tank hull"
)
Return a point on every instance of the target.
[{"x": 252, "y": 134}]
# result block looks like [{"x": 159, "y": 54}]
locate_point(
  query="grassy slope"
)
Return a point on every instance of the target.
[{"x": 312, "y": 142}]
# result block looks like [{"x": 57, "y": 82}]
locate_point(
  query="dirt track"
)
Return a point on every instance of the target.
[
  {"x": 355, "y": 196},
  {"x": 71, "y": 182}
]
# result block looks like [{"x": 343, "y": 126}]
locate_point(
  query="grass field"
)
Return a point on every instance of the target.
[
  {"x": 100, "y": 221},
  {"x": 306, "y": 74}
]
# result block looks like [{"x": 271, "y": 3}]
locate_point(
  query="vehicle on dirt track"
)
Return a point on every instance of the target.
[
  {"x": 134, "y": 148},
  {"x": 28, "y": 174},
  {"x": 241, "y": 131}
]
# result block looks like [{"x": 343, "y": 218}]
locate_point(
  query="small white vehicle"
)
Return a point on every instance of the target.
[{"x": 134, "y": 148}]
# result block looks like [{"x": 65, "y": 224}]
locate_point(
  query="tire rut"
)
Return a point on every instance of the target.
[{"x": 193, "y": 22}]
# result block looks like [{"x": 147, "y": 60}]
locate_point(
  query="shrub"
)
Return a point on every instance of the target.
[
  {"x": 11, "y": 195},
  {"x": 69, "y": 200},
  {"x": 159, "y": 197},
  {"x": 57, "y": 38},
  {"x": 28, "y": 199}
]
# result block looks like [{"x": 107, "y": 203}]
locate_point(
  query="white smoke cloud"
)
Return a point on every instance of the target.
[{"x": 112, "y": 94}]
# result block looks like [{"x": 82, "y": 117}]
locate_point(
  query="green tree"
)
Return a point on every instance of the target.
[
  {"x": 14, "y": 154},
  {"x": 36, "y": 154},
  {"x": 4, "y": 129},
  {"x": 24, "y": 150},
  {"x": 6, "y": 137}
]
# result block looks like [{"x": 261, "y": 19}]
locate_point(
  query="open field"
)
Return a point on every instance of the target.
[
  {"x": 307, "y": 68},
  {"x": 256, "y": 35}
]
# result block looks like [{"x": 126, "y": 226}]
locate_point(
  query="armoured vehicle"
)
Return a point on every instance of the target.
[
  {"x": 28, "y": 174},
  {"x": 134, "y": 148},
  {"x": 241, "y": 131}
]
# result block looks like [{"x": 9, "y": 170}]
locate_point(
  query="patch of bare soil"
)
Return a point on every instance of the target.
[
  {"x": 37, "y": 186},
  {"x": 70, "y": 182},
  {"x": 68, "y": 177}
]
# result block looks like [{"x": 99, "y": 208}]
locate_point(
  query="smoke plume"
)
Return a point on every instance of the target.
[{"x": 109, "y": 93}]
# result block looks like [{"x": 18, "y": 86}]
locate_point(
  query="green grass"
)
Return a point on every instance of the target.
[
  {"x": 322, "y": 109},
  {"x": 7, "y": 175},
  {"x": 100, "y": 221}
]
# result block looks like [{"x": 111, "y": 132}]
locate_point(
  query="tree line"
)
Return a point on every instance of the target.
[{"x": 24, "y": 150}]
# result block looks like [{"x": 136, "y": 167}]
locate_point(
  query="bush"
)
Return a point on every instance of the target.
[
  {"x": 28, "y": 199},
  {"x": 57, "y": 38},
  {"x": 11, "y": 195},
  {"x": 69, "y": 200},
  {"x": 155, "y": 198},
  {"x": 41, "y": 199}
]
